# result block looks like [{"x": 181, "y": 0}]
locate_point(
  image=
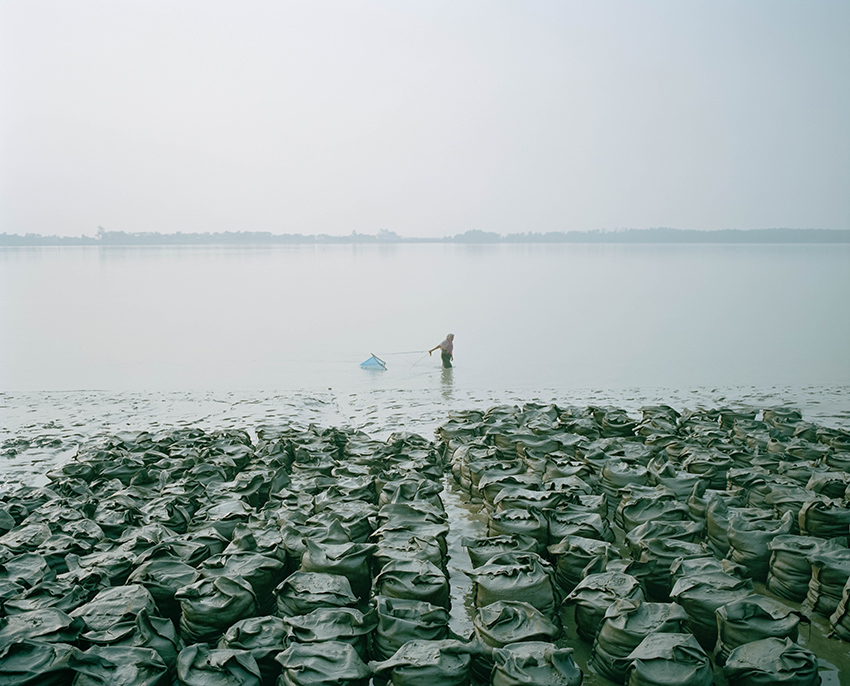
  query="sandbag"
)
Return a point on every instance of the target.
[
  {"x": 585, "y": 524},
  {"x": 749, "y": 537},
  {"x": 515, "y": 575},
  {"x": 669, "y": 660},
  {"x": 511, "y": 621},
  {"x": 211, "y": 604},
  {"x": 350, "y": 560},
  {"x": 60, "y": 595},
  {"x": 35, "y": 663},
  {"x": 401, "y": 620},
  {"x": 825, "y": 519},
  {"x": 702, "y": 594},
  {"x": 345, "y": 624},
  {"x": 199, "y": 665},
  {"x": 162, "y": 577},
  {"x": 322, "y": 664},
  {"x": 657, "y": 556},
  {"x": 771, "y": 661},
  {"x": 624, "y": 626},
  {"x": 535, "y": 662},
  {"x": 576, "y": 557},
  {"x": 114, "y": 605},
  {"x": 415, "y": 547},
  {"x": 303, "y": 592},
  {"x": 480, "y": 550},
  {"x": 48, "y": 626},
  {"x": 790, "y": 568},
  {"x": 752, "y": 619},
  {"x": 530, "y": 523},
  {"x": 264, "y": 637},
  {"x": 414, "y": 580},
  {"x": 120, "y": 666},
  {"x": 595, "y": 594},
  {"x": 830, "y": 572},
  {"x": 427, "y": 663}
]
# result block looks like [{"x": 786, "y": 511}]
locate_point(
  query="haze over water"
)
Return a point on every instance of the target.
[{"x": 525, "y": 316}]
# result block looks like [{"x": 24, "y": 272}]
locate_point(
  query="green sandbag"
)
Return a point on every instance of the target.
[
  {"x": 35, "y": 663},
  {"x": 515, "y": 575},
  {"x": 595, "y": 594},
  {"x": 830, "y": 572},
  {"x": 26, "y": 569},
  {"x": 345, "y": 624},
  {"x": 263, "y": 573},
  {"x": 520, "y": 522},
  {"x": 199, "y": 665},
  {"x": 212, "y": 604},
  {"x": 303, "y": 592},
  {"x": 264, "y": 637},
  {"x": 824, "y": 518},
  {"x": 625, "y": 624},
  {"x": 120, "y": 666},
  {"x": 771, "y": 661},
  {"x": 331, "y": 663},
  {"x": 749, "y": 537},
  {"x": 752, "y": 619},
  {"x": 480, "y": 550},
  {"x": 350, "y": 560},
  {"x": 701, "y": 594},
  {"x": 401, "y": 620},
  {"x": 428, "y": 663},
  {"x": 576, "y": 557},
  {"x": 48, "y": 625},
  {"x": 669, "y": 660},
  {"x": 563, "y": 523},
  {"x": 414, "y": 580},
  {"x": 60, "y": 595},
  {"x": 535, "y": 662},
  {"x": 163, "y": 577},
  {"x": 790, "y": 569}
]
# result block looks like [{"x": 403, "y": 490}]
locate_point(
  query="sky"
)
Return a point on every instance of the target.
[{"x": 426, "y": 118}]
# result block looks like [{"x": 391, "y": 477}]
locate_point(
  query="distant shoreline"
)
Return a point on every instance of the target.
[{"x": 629, "y": 236}]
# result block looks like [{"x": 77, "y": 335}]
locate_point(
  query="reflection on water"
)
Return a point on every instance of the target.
[{"x": 446, "y": 383}]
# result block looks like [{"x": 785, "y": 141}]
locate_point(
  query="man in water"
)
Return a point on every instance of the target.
[{"x": 446, "y": 348}]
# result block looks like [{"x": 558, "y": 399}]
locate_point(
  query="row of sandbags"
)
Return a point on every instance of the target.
[
  {"x": 688, "y": 495},
  {"x": 204, "y": 559}
]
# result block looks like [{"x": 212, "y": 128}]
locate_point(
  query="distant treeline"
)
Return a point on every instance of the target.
[{"x": 658, "y": 235}]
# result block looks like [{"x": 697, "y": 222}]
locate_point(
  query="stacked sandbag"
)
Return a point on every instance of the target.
[
  {"x": 830, "y": 572},
  {"x": 749, "y": 539},
  {"x": 790, "y": 566},
  {"x": 771, "y": 661},
  {"x": 402, "y": 620},
  {"x": 535, "y": 662},
  {"x": 625, "y": 625},
  {"x": 750, "y": 619},
  {"x": 595, "y": 594},
  {"x": 421, "y": 663},
  {"x": 315, "y": 664},
  {"x": 666, "y": 659}
]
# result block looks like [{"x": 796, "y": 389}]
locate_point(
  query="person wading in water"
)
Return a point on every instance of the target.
[{"x": 446, "y": 348}]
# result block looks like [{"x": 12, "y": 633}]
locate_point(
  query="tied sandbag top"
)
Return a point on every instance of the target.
[
  {"x": 535, "y": 662},
  {"x": 772, "y": 661},
  {"x": 510, "y": 621}
]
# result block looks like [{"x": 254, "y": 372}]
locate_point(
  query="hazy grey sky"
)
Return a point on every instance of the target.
[{"x": 428, "y": 118}]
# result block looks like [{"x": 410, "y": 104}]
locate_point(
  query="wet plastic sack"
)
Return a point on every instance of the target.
[
  {"x": 480, "y": 550},
  {"x": 669, "y": 660},
  {"x": 576, "y": 557},
  {"x": 749, "y": 538},
  {"x": 427, "y": 663},
  {"x": 752, "y": 619},
  {"x": 199, "y": 665},
  {"x": 702, "y": 594},
  {"x": 790, "y": 569},
  {"x": 657, "y": 556},
  {"x": 210, "y": 605},
  {"x": 350, "y": 560},
  {"x": 771, "y": 661},
  {"x": 585, "y": 524},
  {"x": 345, "y": 624},
  {"x": 120, "y": 666},
  {"x": 115, "y": 605},
  {"x": 162, "y": 577},
  {"x": 830, "y": 572},
  {"x": 303, "y": 592},
  {"x": 413, "y": 580},
  {"x": 48, "y": 625},
  {"x": 535, "y": 662},
  {"x": 515, "y": 575},
  {"x": 322, "y": 664},
  {"x": 264, "y": 637},
  {"x": 512, "y": 621},
  {"x": 34, "y": 663},
  {"x": 624, "y": 626},
  {"x": 401, "y": 620},
  {"x": 520, "y": 522},
  {"x": 824, "y": 518},
  {"x": 595, "y": 594}
]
